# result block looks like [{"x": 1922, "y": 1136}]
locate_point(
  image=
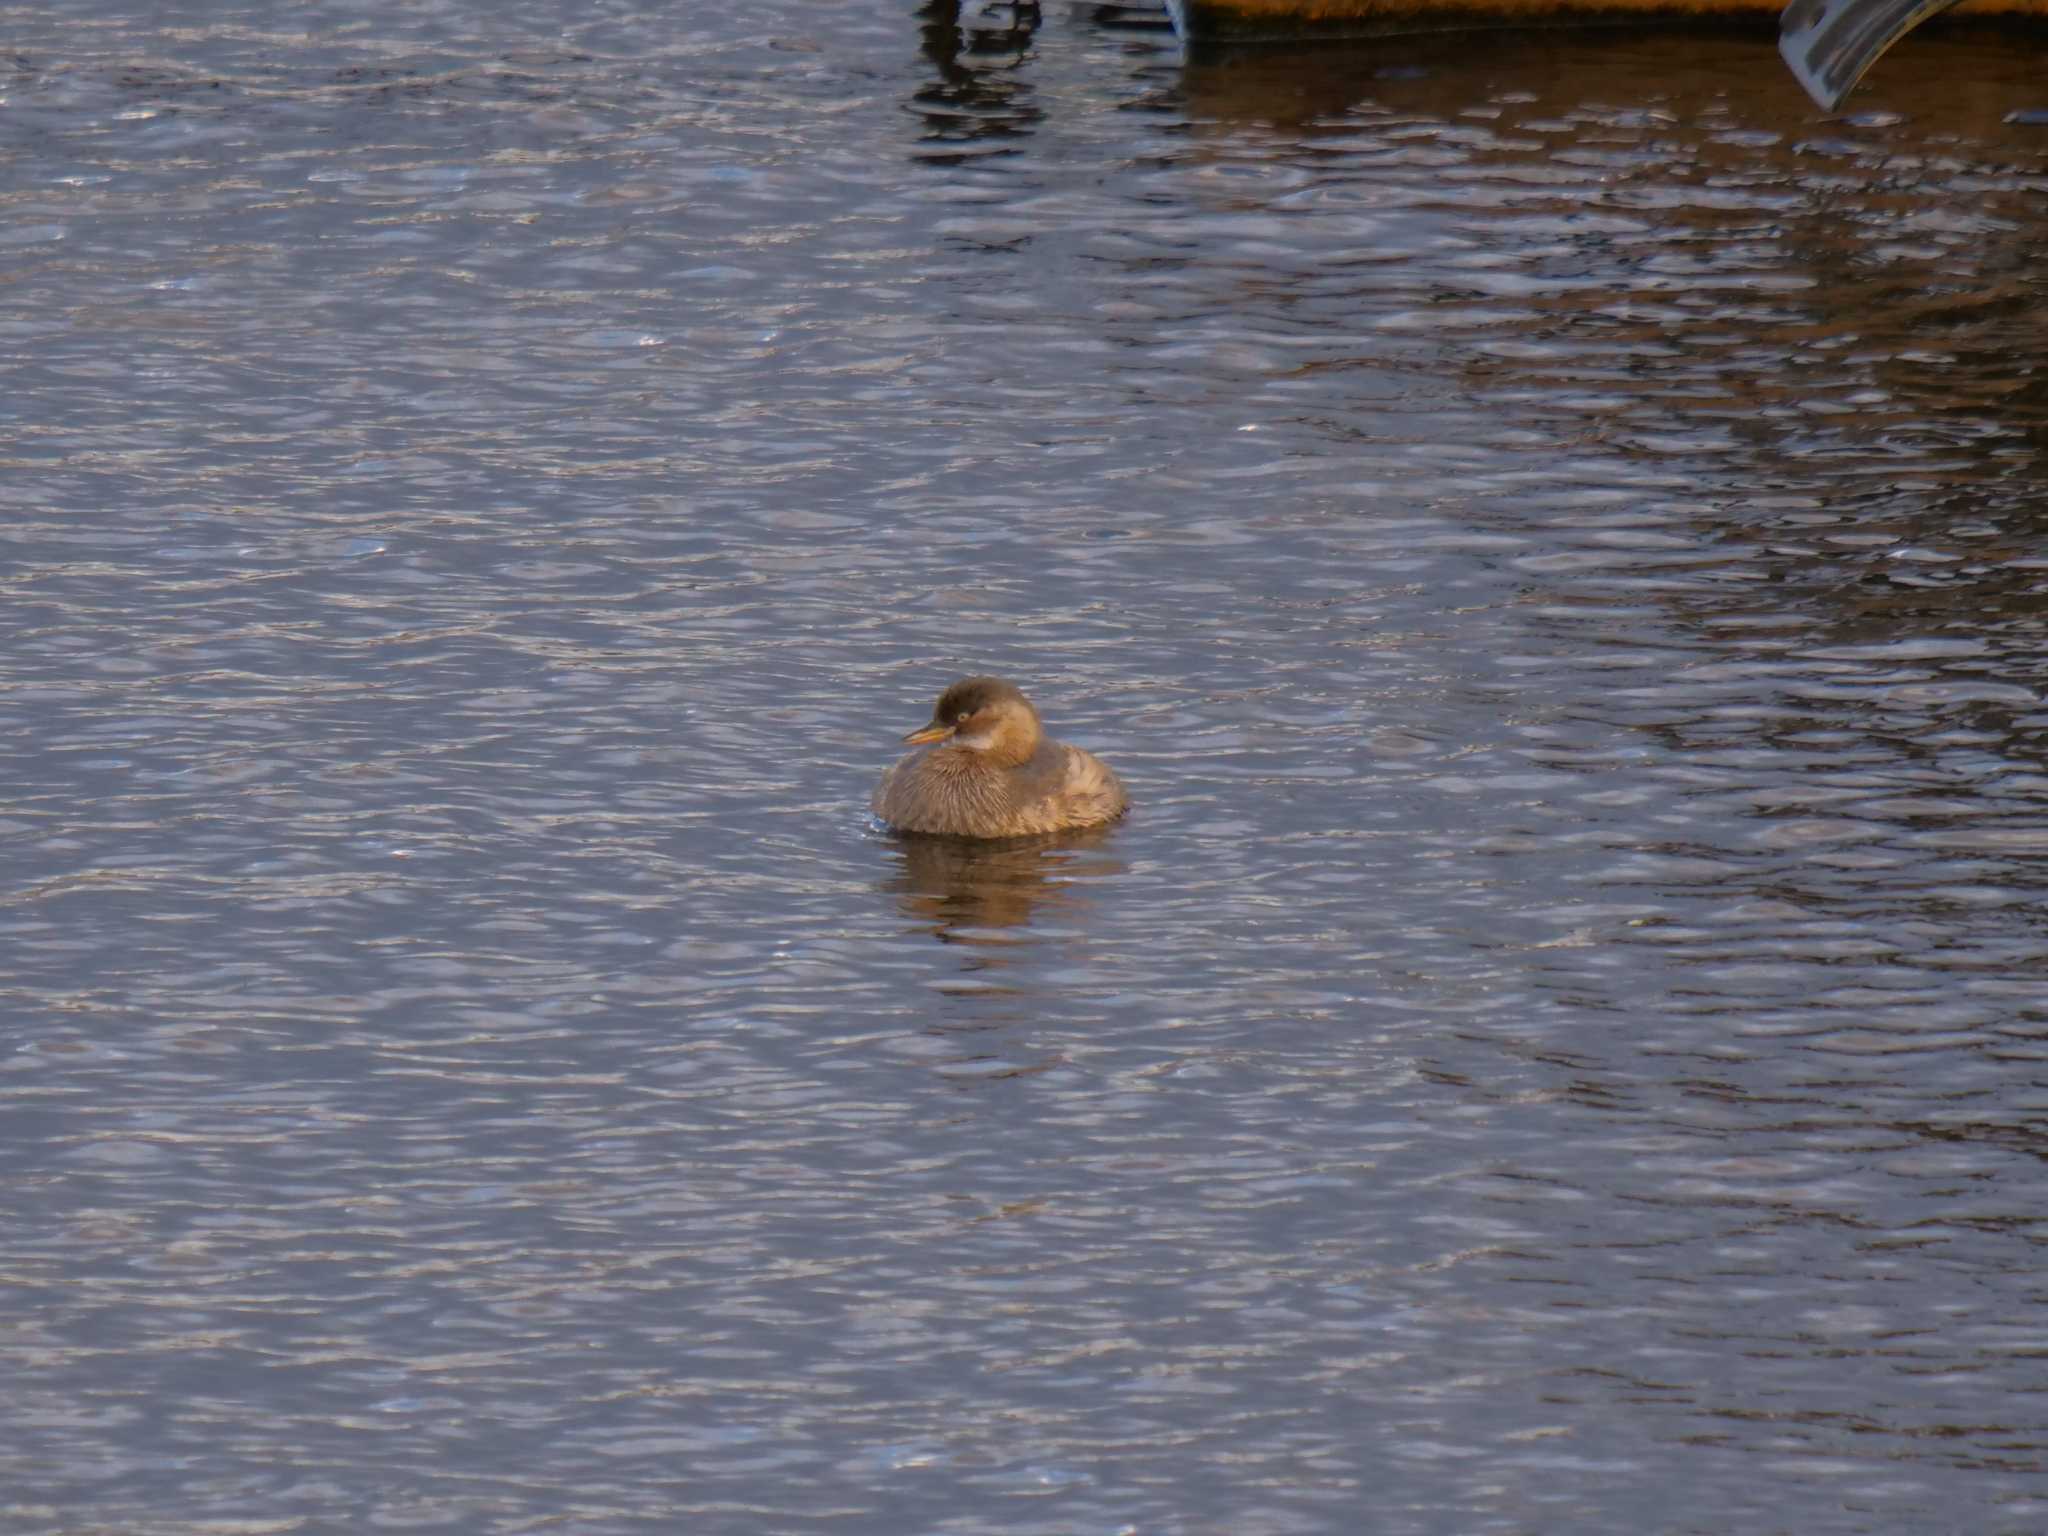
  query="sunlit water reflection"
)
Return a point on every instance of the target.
[{"x": 1548, "y": 530}]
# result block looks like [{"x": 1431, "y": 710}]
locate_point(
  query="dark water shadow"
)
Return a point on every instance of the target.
[{"x": 979, "y": 96}]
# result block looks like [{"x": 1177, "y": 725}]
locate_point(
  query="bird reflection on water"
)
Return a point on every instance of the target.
[{"x": 966, "y": 891}]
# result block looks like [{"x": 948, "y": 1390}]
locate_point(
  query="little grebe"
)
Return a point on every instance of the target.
[{"x": 987, "y": 769}]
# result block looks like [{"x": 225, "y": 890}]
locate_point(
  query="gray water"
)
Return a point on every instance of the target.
[{"x": 1550, "y": 530}]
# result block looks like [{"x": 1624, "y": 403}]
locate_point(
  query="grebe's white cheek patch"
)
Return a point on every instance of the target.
[{"x": 980, "y": 741}]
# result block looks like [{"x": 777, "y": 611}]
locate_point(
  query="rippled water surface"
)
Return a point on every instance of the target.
[{"x": 1550, "y": 530}]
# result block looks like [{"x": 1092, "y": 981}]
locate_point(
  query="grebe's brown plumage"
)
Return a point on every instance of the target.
[{"x": 987, "y": 769}]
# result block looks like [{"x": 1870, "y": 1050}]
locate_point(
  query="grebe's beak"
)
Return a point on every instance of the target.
[{"x": 932, "y": 732}]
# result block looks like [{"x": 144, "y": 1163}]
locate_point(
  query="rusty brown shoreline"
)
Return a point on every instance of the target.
[{"x": 1298, "y": 20}]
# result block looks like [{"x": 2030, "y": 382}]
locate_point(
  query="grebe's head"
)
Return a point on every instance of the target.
[{"x": 983, "y": 714}]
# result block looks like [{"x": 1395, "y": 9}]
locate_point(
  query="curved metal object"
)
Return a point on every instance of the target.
[{"x": 1830, "y": 43}]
